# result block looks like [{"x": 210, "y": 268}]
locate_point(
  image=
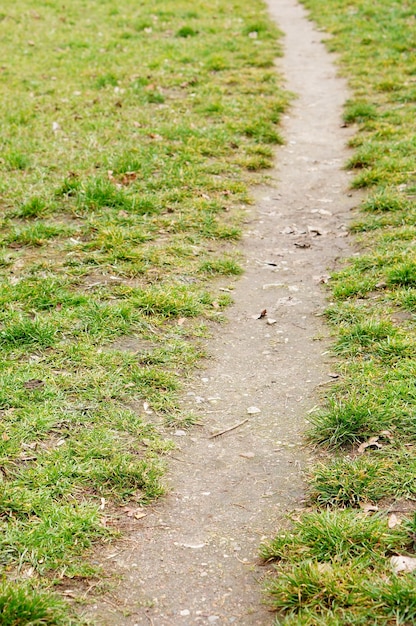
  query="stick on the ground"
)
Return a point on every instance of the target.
[{"x": 227, "y": 430}]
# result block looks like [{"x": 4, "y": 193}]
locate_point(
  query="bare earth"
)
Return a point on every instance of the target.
[{"x": 193, "y": 558}]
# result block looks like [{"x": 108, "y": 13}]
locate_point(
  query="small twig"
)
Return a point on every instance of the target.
[{"x": 227, "y": 430}]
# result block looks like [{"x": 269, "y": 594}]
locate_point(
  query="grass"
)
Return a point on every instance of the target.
[
  {"x": 123, "y": 181},
  {"x": 333, "y": 567}
]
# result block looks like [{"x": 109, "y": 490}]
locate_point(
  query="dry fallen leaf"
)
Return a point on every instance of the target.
[
  {"x": 368, "y": 508},
  {"x": 403, "y": 563},
  {"x": 386, "y": 433},
  {"x": 136, "y": 513},
  {"x": 393, "y": 521},
  {"x": 371, "y": 443}
]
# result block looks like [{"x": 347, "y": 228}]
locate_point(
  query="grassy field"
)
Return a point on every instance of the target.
[
  {"x": 335, "y": 566},
  {"x": 129, "y": 132}
]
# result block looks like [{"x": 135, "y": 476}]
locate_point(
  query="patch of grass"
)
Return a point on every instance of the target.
[
  {"x": 36, "y": 234},
  {"x": 333, "y": 566},
  {"x": 337, "y": 536},
  {"x": 359, "y": 112},
  {"x": 26, "y": 332},
  {"x": 20, "y": 605},
  {"x": 113, "y": 229},
  {"x": 224, "y": 267},
  {"x": 381, "y": 474},
  {"x": 186, "y": 31},
  {"x": 15, "y": 160}
]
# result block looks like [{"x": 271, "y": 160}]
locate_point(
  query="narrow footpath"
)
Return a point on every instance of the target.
[{"x": 193, "y": 558}]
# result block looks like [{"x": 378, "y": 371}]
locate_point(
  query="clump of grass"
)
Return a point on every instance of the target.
[
  {"x": 106, "y": 80},
  {"x": 322, "y": 567},
  {"x": 224, "y": 267},
  {"x": 20, "y": 605},
  {"x": 101, "y": 194},
  {"x": 337, "y": 536},
  {"x": 402, "y": 274},
  {"x": 22, "y": 333},
  {"x": 186, "y": 31},
  {"x": 385, "y": 200},
  {"x": 36, "y": 234},
  {"x": 347, "y": 482},
  {"x": 15, "y": 160},
  {"x": 359, "y": 112},
  {"x": 35, "y": 207}
]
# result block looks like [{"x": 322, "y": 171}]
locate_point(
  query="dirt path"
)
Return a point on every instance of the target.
[{"x": 193, "y": 558}]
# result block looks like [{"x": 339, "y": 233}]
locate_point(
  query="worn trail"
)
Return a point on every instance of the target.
[{"x": 193, "y": 559}]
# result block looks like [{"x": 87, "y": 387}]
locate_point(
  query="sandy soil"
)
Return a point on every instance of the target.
[{"x": 193, "y": 558}]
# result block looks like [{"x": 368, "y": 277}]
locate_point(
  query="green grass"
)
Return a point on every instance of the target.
[
  {"x": 333, "y": 566},
  {"x": 20, "y": 606},
  {"x": 123, "y": 180}
]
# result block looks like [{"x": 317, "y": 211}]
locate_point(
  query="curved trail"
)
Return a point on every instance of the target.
[{"x": 193, "y": 558}]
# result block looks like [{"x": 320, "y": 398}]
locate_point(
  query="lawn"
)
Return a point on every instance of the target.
[
  {"x": 335, "y": 566},
  {"x": 129, "y": 134}
]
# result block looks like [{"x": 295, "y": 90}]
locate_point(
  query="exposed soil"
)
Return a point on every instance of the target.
[{"x": 193, "y": 558}]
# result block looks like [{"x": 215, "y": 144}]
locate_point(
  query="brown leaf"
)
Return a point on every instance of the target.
[
  {"x": 263, "y": 313},
  {"x": 368, "y": 508},
  {"x": 136, "y": 513},
  {"x": 371, "y": 443},
  {"x": 5, "y": 437},
  {"x": 128, "y": 178}
]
